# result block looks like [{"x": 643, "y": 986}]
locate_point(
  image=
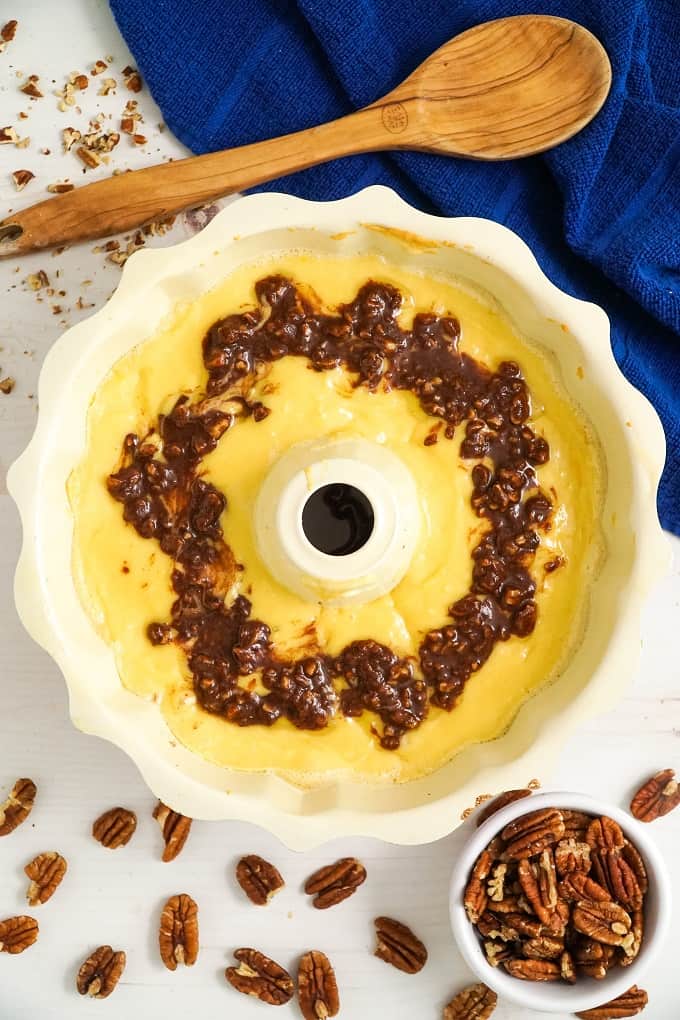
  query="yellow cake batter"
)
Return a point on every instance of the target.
[{"x": 124, "y": 580}]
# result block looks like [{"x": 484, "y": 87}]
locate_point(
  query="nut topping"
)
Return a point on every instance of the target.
[
  {"x": 630, "y": 1003},
  {"x": 261, "y": 977},
  {"x": 115, "y": 828},
  {"x": 496, "y": 884},
  {"x": 178, "y": 933},
  {"x": 533, "y": 970},
  {"x": 396, "y": 944},
  {"x": 259, "y": 879},
  {"x": 100, "y": 973},
  {"x": 18, "y": 806},
  {"x": 45, "y": 872},
  {"x": 501, "y": 801},
  {"x": 476, "y": 1002},
  {"x": 175, "y": 829},
  {"x": 17, "y": 934},
  {"x": 335, "y": 882},
  {"x": 317, "y": 987},
  {"x": 21, "y": 178},
  {"x": 533, "y": 833},
  {"x": 657, "y": 797},
  {"x": 603, "y": 922}
]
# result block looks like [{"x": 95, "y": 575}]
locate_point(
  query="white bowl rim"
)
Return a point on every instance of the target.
[
  {"x": 299, "y": 817},
  {"x": 558, "y": 996}
]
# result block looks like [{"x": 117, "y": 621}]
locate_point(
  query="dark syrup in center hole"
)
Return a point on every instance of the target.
[{"x": 337, "y": 519}]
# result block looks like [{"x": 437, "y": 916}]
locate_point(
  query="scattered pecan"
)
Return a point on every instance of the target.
[
  {"x": 567, "y": 968},
  {"x": 572, "y": 856},
  {"x": 21, "y": 178},
  {"x": 60, "y": 187},
  {"x": 605, "y": 834},
  {"x": 603, "y": 922},
  {"x": 175, "y": 829},
  {"x": 657, "y": 797},
  {"x": 259, "y": 879},
  {"x": 335, "y": 882},
  {"x": 100, "y": 973},
  {"x": 396, "y": 944},
  {"x": 261, "y": 977},
  {"x": 7, "y": 385},
  {"x": 132, "y": 79},
  {"x": 115, "y": 827},
  {"x": 17, "y": 934},
  {"x": 533, "y": 833},
  {"x": 476, "y": 898},
  {"x": 30, "y": 88},
  {"x": 630, "y": 1003},
  {"x": 45, "y": 872},
  {"x": 545, "y": 947},
  {"x": 476, "y": 1002},
  {"x": 8, "y": 30},
  {"x": 317, "y": 987},
  {"x": 503, "y": 799},
  {"x": 178, "y": 933},
  {"x": 533, "y": 970},
  {"x": 18, "y": 806}
]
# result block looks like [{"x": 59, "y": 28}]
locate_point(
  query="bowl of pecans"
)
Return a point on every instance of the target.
[{"x": 561, "y": 907}]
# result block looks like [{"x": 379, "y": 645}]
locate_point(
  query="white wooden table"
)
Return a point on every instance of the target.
[{"x": 115, "y": 897}]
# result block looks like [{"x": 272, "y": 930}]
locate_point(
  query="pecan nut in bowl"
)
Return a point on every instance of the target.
[{"x": 567, "y": 921}]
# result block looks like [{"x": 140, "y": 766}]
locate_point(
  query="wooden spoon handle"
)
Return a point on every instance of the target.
[{"x": 126, "y": 201}]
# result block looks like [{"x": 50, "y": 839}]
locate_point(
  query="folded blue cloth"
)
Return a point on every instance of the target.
[{"x": 601, "y": 212}]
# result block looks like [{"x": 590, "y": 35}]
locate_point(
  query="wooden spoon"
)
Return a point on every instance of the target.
[{"x": 504, "y": 89}]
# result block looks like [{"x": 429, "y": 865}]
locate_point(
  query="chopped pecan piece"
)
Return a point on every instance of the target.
[
  {"x": 317, "y": 988},
  {"x": 533, "y": 833},
  {"x": 545, "y": 947},
  {"x": 567, "y": 968},
  {"x": 9, "y": 30},
  {"x": 630, "y": 1003},
  {"x": 60, "y": 187},
  {"x": 31, "y": 87},
  {"x": 115, "y": 828},
  {"x": 603, "y": 922},
  {"x": 657, "y": 797},
  {"x": 7, "y": 385},
  {"x": 175, "y": 829},
  {"x": 45, "y": 872},
  {"x": 476, "y": 898},
  {"x": 259, "y": 879},
  {"x": 572, "y": 856},
  {"x": 17, "y": 933},
  {"x": 261, "y": 977},
  {"x": 396, "y": 944},
  {"x": 501, "y": 801},
  {"x": 579, "y": 886},
  {"x": 18, "y": 806},
  {"x": 100, "y": 973},
  {"x": 533, "y": 970},
  {"x": 21, "y": 178},
  {"x": 498, "y": 952},
  {"x": 476, "y": 1002},
  {"x": 605, "y": 834},
  {"x": 335, "y": 882},
  {"x": 178, "y": 932}
]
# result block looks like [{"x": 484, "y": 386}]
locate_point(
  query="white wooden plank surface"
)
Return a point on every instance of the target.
[{"x": 116, "y": 896}]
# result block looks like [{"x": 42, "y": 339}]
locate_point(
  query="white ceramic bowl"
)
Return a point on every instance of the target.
[
  {"x": 575, "y": 335},
  {"x": 559, "y": 997}
]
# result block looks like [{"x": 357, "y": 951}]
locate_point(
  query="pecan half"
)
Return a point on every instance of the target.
[
  {"x": 578, "y": 886},
  {"x": 630, "y": 1003},
  {"x": 396, "y": 944},
  {"x": 533, "y": 970},
  {"x": 501, "y": 801},
  {"x": 620, "y": 879},
  {"x": 657, "y": 797},
  {"x": 476, "y": 1002},
  {"x": 575, "y": 824},
  {"x": 572, "y": 856},
  {"x": 100, "y": 973},
  {"x": 605, "y": 834},
  {"x": 567, "y": 968},
  {"x": 174, "y": 827},
  {"x": 259, "y": 879},
  {"x": 178, "y": 932},
  {"x": 497, "y": 952},
  {"x": 496, "y": 884},
  {"x": 527, "y": 873},
  {"x": 17, "y": 933},
  {"x": 261, "y": 977},
  {"x": 603, "y": 922},
  {"x": 545, "y": 947},
  {"x": 335, "y": 882},
  {"x": 475, "y": 898},
  {"x": 45, "y": 872},
  {"x": 631, "y": 854},
  {"x": 630, "y": 951},
  {"x": 115, "y": 827},
  {"x": 533, "y": 833},
  {"x": 18, "y": 806},
  {"x": 317, "y": 988}
]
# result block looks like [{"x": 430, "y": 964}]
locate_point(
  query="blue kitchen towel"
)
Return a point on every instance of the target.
[{"x": 601, "y": 212}]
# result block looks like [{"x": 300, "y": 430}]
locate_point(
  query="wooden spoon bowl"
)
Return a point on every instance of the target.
[{"x": 501, "y": 90}]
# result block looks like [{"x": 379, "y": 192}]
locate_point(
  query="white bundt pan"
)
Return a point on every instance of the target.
[{"x": 577, "y": 334}]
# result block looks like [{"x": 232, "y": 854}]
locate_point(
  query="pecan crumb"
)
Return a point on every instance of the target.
[
  {"x": 259, "y": 879},
  {"x": 21, "y": 178},
  {"x": 132, "y": 79},
  {"x": 629, "y": 1004},
  {"x": 46, "y": 872},
  {"x": 8, "y": 136},
  {"x": 100, "y": 973},
  {"x": 108, "y": 85},
  {"x": 99, "y": 67},
  {"x": 89, "y": 158}
]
